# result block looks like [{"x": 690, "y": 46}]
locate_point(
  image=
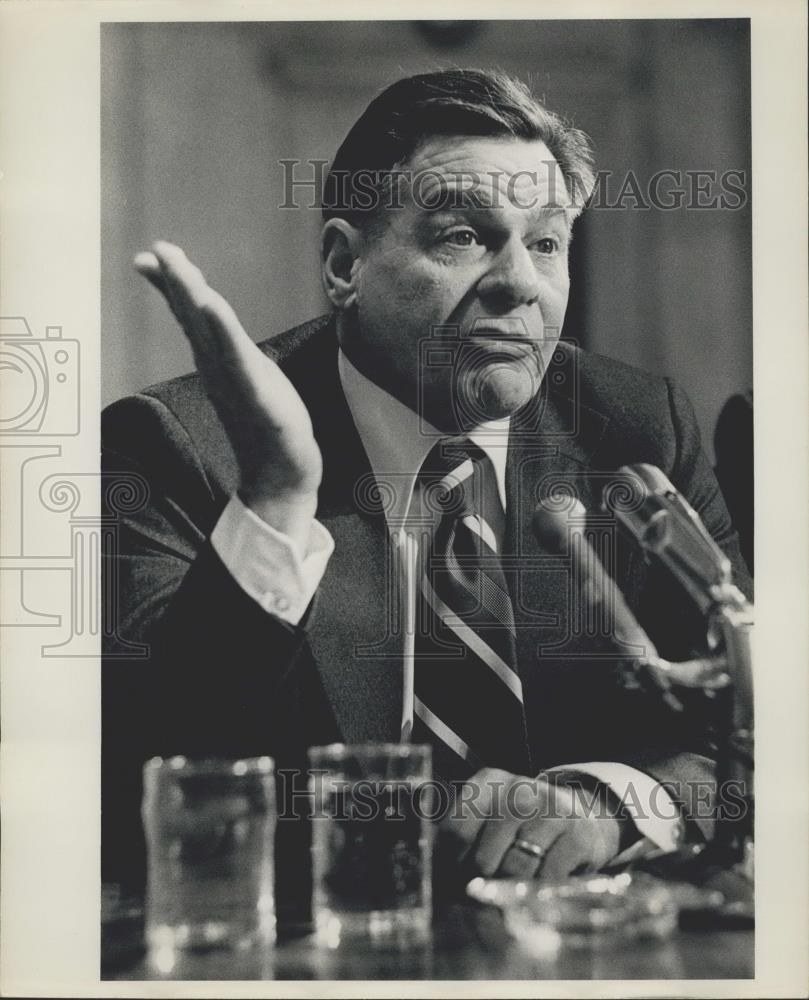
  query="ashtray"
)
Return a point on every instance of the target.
[{"x": 582, "y": 911}]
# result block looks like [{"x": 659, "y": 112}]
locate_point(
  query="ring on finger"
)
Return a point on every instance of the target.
[{"x": 529, "y": 847}]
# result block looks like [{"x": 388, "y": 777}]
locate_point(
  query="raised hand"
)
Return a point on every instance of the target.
[{"x": 267, "y": 423}]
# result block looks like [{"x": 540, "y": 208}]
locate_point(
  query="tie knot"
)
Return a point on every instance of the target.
[{"x": 451, "y": 478}]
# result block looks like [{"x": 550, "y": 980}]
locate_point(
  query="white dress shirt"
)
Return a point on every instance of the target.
[{"x": 269, "y": 567}]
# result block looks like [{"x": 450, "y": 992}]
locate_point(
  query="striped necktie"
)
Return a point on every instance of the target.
[{"x": 468, "y": 695}]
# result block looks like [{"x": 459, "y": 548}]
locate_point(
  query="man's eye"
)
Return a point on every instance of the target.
[
  {"x": 462, "y": 238},
  {"x": 547, "y": 245}
]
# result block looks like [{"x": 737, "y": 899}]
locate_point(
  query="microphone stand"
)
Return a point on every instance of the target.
[
  {"x": 666, "y": 527},
  {"x": 733, "y": 620}
]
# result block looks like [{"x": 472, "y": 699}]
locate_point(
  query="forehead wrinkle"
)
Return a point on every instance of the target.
[
  {"x": 487, "y": 176},
  {"x": 485, "y": 153},
  {"x": 468, "y": 201},
  {"x": 478, "y": 186},
  {"x": 441, "y": 150}
]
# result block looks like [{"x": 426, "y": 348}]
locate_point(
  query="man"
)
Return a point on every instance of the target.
[{"x": 285, "y": 603}]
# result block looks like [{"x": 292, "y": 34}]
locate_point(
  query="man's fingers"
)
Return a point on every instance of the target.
[
  {"x": 524, "y": 804},
  {"x": 148, "y": 265},
  {"x": 208, "y": 319},
  {"x": 478, "y": 802},
  {"x": 168, "y": 270},
  {"x": 520, "y": 803},
  {"x": 261, "y": 411},
  {"x": 567, "y": 854},
  {"x": 185, "y": 280},
  {"x": 523, "y": 858},
  {"x": 705, "y": 672},
  {"x": 229, "y": 336},
  {"x": 237, "y": 375}
]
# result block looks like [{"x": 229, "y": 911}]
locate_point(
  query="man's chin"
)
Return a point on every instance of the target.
[{"x": 496, "y": 392}]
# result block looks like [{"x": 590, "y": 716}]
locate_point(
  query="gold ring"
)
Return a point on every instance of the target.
[{"x": 529, "y": 847}]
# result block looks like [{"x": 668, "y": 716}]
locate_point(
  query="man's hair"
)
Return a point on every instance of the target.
[{"x": 454, "y": 102}]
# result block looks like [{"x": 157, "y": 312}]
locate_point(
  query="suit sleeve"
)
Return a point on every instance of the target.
[{"x": 192, "y": 664}]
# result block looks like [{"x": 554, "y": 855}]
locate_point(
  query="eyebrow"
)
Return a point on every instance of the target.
[
  {"x": 539, "y": 213},
  {"x": 455, "y": 198}
]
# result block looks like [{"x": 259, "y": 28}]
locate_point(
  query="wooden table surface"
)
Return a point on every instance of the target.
[{"x": 468, "y": 942}]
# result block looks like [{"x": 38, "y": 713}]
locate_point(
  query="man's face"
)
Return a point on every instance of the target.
[{"x": 490, "y": 263}]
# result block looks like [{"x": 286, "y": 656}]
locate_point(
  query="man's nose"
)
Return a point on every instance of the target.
[{"x": 512, "y": 279}]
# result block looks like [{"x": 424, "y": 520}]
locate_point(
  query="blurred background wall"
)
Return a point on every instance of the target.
[{"x": 195, "y": 118}]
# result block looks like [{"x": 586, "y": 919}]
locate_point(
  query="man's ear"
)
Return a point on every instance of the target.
[{"x": 340, "y": 246}]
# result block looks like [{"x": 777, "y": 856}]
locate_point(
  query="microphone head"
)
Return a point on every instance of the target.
[
  {"x": 667, "y": 526},
  {"x": 655, "y": 481}
]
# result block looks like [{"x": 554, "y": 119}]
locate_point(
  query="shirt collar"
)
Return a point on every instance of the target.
[{"x": 397, "y": 440}]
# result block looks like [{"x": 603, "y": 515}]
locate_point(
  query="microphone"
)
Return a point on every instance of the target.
[
  {"x": 562, "y": 534},
  {"x": 665, "y": 525}
]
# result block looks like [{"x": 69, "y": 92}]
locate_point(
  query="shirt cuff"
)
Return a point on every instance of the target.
[
  {"x": 644, "y": 800},
  {"x": 268, "y": 564}
]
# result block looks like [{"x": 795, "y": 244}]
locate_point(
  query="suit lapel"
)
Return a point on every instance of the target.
[
  {"x": 353, "y": 633},
  {"x": 551, "y": 450}
]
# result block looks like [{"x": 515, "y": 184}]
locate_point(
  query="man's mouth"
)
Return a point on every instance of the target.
[
  {"x": 505, "y": 345},
  {"x": 507, "y": 336}
]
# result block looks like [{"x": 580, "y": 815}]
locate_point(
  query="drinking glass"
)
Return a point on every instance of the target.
[
  {"x": 372, "y": 842},
  {"x": 210, "y": 836}
]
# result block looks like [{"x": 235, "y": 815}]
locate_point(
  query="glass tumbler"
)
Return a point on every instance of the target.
[
  {"x": 209, "y": 829},
  {"x": 372, "y": 842}
]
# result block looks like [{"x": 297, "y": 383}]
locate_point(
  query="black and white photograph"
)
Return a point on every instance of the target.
[
  {"x": 418, "y": 568},
  {"x": 470, "y": 492}
]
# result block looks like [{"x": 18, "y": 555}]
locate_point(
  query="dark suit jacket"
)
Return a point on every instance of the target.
[{"x": 223, "y": 677}]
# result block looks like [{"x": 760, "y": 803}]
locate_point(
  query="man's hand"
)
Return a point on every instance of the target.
[
  {"x": 267, "y": 423},
  {"x": 496, "y": 810}
]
